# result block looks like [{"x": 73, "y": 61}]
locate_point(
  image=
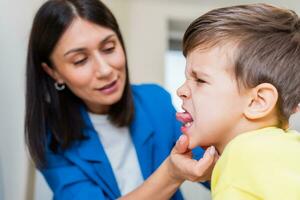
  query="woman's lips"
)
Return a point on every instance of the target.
[
  {"x": 109, "y": 88},
  {"x": 186, "y": 119}
]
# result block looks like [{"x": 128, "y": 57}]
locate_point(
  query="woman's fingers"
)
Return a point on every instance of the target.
[
  {"x": 183, "y": 167},
  {"x": 181, "y": 145},
  {"x": 208, "y": 157},
  {"x": 203, "y": 167},
  {"x": 216, "y": 158}
]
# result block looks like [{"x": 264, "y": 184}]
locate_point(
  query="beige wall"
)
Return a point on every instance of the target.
[{"x": 144, "y": 26}]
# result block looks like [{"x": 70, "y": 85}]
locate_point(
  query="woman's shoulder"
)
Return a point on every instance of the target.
[
  {"x": 152, "y": 97},
  {"x": 148, "y": 88},
  {"x": 150, "y": 92}
]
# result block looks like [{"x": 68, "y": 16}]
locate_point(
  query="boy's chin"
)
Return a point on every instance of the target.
[{"x": 193, "y": 144}]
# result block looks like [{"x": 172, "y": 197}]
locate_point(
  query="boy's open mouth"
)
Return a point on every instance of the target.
[{"x": 186, "y": 119}]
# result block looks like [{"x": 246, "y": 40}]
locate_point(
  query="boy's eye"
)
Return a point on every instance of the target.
[
  {"x": 81, "y": 61},
  {"x": 200, "y": 81}
]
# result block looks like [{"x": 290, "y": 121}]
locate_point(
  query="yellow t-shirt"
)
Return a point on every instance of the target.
[{"x": 262, "y": 164}]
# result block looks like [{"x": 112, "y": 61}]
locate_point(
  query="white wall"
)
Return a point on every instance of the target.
[{"x": 15, "y": 20}]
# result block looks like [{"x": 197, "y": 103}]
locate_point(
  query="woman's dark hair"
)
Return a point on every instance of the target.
[{"x": 56, "y": 114}]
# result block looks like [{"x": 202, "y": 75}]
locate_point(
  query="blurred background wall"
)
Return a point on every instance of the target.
[
  {"x": 152, "y": 30},
  {"x": 15, "y": 20}
]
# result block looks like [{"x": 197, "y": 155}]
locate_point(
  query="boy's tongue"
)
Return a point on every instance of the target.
[{"x": 184, "y": 117}]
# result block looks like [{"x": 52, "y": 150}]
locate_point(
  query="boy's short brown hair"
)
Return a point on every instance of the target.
[{"x": 267, "y": 47}]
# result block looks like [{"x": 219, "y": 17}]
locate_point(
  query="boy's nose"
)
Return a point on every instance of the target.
[{"x": 183, "y": 91}]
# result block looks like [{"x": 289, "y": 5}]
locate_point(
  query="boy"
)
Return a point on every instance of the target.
[{"x": 242, "y": 84}]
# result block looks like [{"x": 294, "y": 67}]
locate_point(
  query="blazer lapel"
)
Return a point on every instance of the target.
[
  {"x": 90, "y": 156},
  {"x": 92, "y": 153},
  {"x": 141, "y": 132}
]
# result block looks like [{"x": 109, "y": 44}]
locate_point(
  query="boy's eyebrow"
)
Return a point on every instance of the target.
[
  {"x": 198, "y": 72},
  {"x": 81, "y": 48}
]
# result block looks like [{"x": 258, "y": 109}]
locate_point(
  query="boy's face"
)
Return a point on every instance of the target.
[{"x": 213, "y": 104}]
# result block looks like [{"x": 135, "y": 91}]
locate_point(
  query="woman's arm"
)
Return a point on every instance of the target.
[
  {"x": 177, "y": 168},
  {"x": 67, "y": 181}
]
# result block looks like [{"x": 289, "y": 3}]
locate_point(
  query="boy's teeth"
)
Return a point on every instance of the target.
[{"x": 188, "y": 124}]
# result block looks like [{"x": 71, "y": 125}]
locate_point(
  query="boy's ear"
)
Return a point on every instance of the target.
[
  {"x": 51, "y": 72},
  {"x": 262, "y": 100}
]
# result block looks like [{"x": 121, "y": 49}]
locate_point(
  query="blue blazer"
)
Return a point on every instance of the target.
[{"x": 83, "y": 171}]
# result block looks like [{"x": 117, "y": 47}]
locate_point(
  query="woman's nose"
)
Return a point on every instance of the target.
[
  {"x": 103, "y": 67},
  {"x": 183, "y": 91}
]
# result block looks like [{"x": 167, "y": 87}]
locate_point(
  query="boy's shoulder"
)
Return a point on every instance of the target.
[
  {"x": 257, "y": 161},
  {"x": 263, "y": 138},
  {"x": 267, "y": 144}
]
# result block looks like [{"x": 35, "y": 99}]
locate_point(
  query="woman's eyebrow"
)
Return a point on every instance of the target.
[
  {"x": 81, "y": 48},
  {"x": 74, "y": 50},
  {"x": 107, "y": 38}
]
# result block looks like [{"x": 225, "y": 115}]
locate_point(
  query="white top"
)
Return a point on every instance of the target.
[{"x": 120, "y": 151}]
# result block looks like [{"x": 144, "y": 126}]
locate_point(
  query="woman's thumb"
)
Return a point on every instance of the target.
[{"x": 182, "y": 144}]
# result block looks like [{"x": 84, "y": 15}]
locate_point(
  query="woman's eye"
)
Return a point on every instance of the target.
[
  {"x": 109, "y": 50},
  {"x": 80, "y": 62}
]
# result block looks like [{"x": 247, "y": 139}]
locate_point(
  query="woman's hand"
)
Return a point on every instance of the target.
[
  {"x": 183, "y": 167},
  {"x": 177, "y": 168}
]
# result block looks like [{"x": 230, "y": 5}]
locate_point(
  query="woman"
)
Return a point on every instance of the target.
[{"x": 91, "y": 133}]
